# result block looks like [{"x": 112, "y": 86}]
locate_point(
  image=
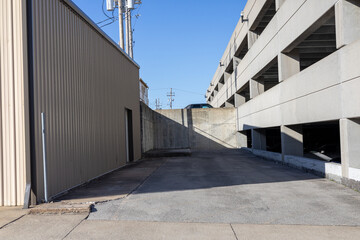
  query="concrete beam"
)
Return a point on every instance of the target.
[
  {"x": 257, "y": 87},
  {"x": 278, "y": 4},
  {"x": 350, "y": 144},
  {"x": 252, "y": 37},
  {"x": 258, "y": 139},
  {"x": 236, "y": 62},
  {"x": 289, "y": 64},
  {"x": 230, "y": 68},
  {"x": 241, "y": 140},
  {"x": 226, "y": 76},
  {"x": 220, "y": 85},
  {"x": 292, "y": 142},
  {"x": 239, "y": 100},
  {"x": 229, "y": 105},
  {"x": 347, "y": 17}
]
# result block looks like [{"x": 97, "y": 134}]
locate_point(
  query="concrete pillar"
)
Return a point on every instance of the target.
[
  {"x": 220, "y": 85},
  {"x": 229, "y": 105},
  {"x": 239, "y": 100},
  {"x": 252, "y": 37},
  {"x": 257, "y": 87},
  {"x": 289, "y": 64},
  {"x": 241, "y": 140},
  {"x": 278, "y": 4},
  {"x": 347, "y": 15},
  {"x": 227, "y": 76},
  {"x": 258, "y": 139},
  {"x": 292, "y": 142},
  {"x": 236, "y": 62},
  {"x": 350, "y": 145}
]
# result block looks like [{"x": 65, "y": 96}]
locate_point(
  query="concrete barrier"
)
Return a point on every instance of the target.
[{"x": 196, "y": 129}]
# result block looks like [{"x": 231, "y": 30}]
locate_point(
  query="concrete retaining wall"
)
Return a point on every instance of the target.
[
  {"x": 330, "y": 170},
  {"x": 197, "y": 129}
]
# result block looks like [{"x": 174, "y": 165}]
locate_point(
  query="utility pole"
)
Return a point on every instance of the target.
[
  {"x": 127, "y": 17},
  {"x": 157, "y": 104},
  {"x": 171, "y": 100},
  {"x": 125, "y": 7},
  {"x": 130, "y": 5},
  {"x": 131, "y": 53},
  {"x": 121, "y": 23}
]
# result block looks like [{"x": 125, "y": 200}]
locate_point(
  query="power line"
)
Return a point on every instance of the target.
[
  {"x": 114, "y": 20},
  {"x": 181, "y": 90},
  {"x": 103, "y": 10},
  {"x": 157, "y": 104},
  {"x": 188, "y": 91},
  {"x": 171, "y": 99}
]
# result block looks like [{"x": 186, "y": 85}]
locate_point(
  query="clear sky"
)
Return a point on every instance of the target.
[{"x": 178, "y": 43}]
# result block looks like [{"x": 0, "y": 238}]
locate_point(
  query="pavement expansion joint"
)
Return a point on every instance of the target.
[{"x": 7, "y": 224}]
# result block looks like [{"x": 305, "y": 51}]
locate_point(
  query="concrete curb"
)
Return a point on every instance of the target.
[
  {"x": 61, "y": 208},
  {"x": 167, "y": 153}
]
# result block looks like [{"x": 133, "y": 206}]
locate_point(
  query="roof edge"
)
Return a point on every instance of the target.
[{"x": 87, "y": 19}]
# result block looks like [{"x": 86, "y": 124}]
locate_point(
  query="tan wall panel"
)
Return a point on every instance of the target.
[
  {"x": 14, "y": 144},
  {"x": 82, "y": 83}
]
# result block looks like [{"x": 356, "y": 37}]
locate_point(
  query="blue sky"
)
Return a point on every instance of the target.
[{"x": 178, "y": 43}]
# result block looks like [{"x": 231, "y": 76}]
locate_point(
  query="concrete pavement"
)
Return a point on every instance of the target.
[
  {"x": 77, "y": 227},
  {"x": 115, "y": 185},
  {"x": 41, "y": 227},
  {"x": 234, "y": 187},
  {"x": 221, "y": 195},
  {"x": 10, "y": 214},
  {"x": 209, "y": 231}
]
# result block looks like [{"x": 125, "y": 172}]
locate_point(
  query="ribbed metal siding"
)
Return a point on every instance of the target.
[
  {"x": 83, "y": 84},
  {"x": 14, "y": 148}
]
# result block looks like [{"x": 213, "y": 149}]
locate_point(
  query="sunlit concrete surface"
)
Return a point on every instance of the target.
[{"x": 234, "y": 187}]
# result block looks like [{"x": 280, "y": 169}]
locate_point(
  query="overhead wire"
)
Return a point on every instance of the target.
[
  {"x": 114, "y": 19},
  {"x": 177, "y": 89},
  {"x": 188, "y": 91},
  {"x": 109, "y": 18},
  {"x": 136, "y": 20}
]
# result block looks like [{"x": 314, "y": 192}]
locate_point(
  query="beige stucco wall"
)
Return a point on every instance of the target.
[{"x": 14, "y": 144}]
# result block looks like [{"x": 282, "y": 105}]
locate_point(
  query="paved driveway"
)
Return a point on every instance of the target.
[{"x": 234, "y": 187}]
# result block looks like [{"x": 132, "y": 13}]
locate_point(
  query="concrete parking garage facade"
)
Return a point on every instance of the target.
[{"x": 291, "y": 69}]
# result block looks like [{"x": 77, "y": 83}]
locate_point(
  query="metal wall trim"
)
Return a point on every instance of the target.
[{"x": 87, "y": 19}]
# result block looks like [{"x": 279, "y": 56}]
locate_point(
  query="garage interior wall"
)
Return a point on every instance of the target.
[
  {"x": 83, "y": 83},
  {"x": 14, "y": 144}
]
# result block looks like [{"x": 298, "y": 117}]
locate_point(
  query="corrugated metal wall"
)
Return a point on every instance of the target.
[
  {"x": 14, "y": 144},
  {"x": 83, "y": 83}
]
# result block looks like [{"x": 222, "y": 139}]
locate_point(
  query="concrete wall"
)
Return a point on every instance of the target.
[
  {"x": 147, "y": 128},
  {"x": 197, "y": 129},
  {"x": 324, "y": 91},
  {"x": 327, "y": 169}
]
